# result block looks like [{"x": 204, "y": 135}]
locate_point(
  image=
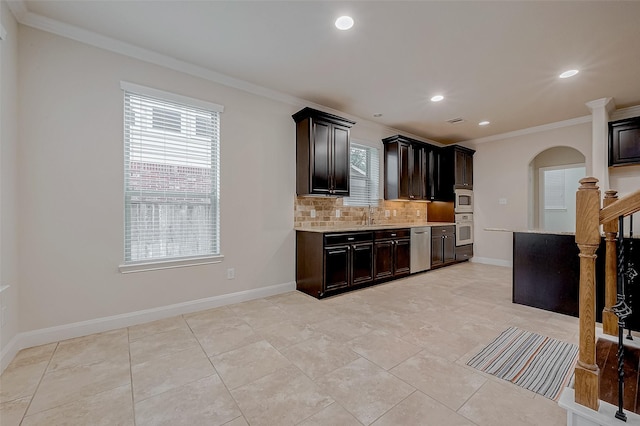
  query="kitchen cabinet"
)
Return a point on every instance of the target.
[
  {"x": 464, "y": 252},
  {"x": 406, "y": 168},
  {"x": 330, "y": 263},
  {"x": 443, "y": 245},
  {"x": 392, "y": 254},
  {"x": 463, "y": 167},
  {"x": 437, "y": 189},
  {"x": 322, "y": 153},
  {"x": 456, "y": 170},
  {"x": 624, "y": 142}
]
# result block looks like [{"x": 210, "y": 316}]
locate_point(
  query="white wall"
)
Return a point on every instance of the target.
[
  {"x": 8, "y": 179},
  {"x": 71, "y": 186},
  {"x": 501, "y": 170}
]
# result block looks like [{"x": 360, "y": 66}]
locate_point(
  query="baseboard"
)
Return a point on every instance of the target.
[
  {"x": 9, "y": 352},
  {"x": 68, "y": 331},
  {"x": 491, "y": 261}
]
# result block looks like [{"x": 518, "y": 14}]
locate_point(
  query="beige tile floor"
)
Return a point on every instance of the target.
[{"x": 394, "y": 354}]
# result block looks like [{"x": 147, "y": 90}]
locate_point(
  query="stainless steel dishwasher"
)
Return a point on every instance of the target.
[{"x": 420, "y": 249}]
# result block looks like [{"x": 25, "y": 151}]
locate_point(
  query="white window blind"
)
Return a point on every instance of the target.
[
  {"x": 364, "y": 176},
  {"x": 171, "y": 177},
  {"x": 554, "y": 190}
]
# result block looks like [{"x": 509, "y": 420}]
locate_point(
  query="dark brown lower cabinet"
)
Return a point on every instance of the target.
[
  {"x": 443, "y": 245},
  {"x": 392, "y": 254},
  {"x": 330, "y": 263}
]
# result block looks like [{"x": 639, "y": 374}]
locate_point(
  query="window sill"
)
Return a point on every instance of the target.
[{"x": 169, "y": 264}]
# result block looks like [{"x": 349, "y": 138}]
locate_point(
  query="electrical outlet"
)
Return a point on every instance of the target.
[
  {"x": 502, "y": 201},
  {"x": 231, "y": 273},
  {"x": 387, "y": 213},
  {"x": 313, "y": 213},
  {"x": 417, "y": 212},
  {"x": 395, "y": 213},
  {"x": 337, "y": 212}
]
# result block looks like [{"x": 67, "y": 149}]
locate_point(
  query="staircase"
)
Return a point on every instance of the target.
[{"x": 583, "y": 403}]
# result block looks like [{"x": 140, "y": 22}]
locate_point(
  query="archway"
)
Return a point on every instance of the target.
[{"x": 553, "y": 180}]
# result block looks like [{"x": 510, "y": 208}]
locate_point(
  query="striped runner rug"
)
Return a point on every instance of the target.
[{"x": 538, "y": 363}]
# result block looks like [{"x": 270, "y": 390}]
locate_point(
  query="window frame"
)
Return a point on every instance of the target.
[
  {"x": 129, "y": 266},
  {"x": 369, "y": 182}
]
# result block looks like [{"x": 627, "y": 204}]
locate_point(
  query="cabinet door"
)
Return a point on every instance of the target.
[
  {"x": 449, "y": 248},
  {"x": 459, "y": 165},
  {"x": 418, "y": 166},
  {"x": 468, "y": 171},
  {"x": 336, "y": 267},
  {"x": 402, "y": 257},
  {"x": 404, "y": 172},
  {"x": 437, "y": 244},
  {"x": 383, "y": 259},
  {"x": 435, "y": 179},
  {"x": 361, "y": 263},
  {"x": 321, "y": 163},
  {"x": 340, "y": 159}
]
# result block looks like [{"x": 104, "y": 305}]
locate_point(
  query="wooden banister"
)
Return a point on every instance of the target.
[
  {"x": 587, "y": 384},
  {"x": 609, "y": 319},
  {"x": 625, "y": 206}
]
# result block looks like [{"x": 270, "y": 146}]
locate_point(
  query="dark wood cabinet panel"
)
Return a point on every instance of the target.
[
  {"x": 341, "y": 160},
  {"x": 320, "y": 174},
  {"x": 437, "y": 188},
  {"x": 443, "y": 245},
  {"x": 406, "y": 168},
  {"x": 322, "y": 153},
  {"x": 392, "y": 254},
  {"x": 327, "y": 264},
  {"x": 437, "y": 251},
  {"x": 624, "y": 142},
  {"x": 336, "y": 267},
  {"x": 383, "y": 255},
  {"x": 402, "y": 257},
  {"x": 464, "y": 252},
  {"x": 459, "y": 169},
  {"x": 361, "y": 263}
]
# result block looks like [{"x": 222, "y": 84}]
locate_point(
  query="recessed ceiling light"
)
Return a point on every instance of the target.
[
  {"x": 344, "y": 23},
  {"x": 484, "y": 123},
  {"x": 377, "y": 114},
  {"x": 437, "y": 98},
  {"x": 568, "y": 73}
]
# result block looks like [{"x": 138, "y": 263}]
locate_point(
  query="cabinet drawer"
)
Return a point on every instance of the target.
[
  {"x": 442, "y": 230},
  {"x": 347, "y": 238},
  {"x": 392, "y": 234},
  {"x": 464, "y": 252}
]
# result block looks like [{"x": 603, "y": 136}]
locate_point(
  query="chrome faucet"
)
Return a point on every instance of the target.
[{"x": 370, "y": 215}]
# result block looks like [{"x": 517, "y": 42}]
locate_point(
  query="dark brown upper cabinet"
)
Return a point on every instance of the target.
[
  {"x": 456, "y": 171},
  {"x": 322, "y": 153},
  {"x": 624, "y": 142},
  {"x": 406, "y": 169}
]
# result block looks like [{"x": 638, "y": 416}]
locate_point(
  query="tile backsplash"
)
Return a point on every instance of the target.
[{"x": 387, "y": 212}]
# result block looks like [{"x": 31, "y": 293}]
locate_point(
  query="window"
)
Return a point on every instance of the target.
[
  {"x": 364, "y": 176},
  {"x": 554, "y": 190},
  {"x": 171, "y": 176}
]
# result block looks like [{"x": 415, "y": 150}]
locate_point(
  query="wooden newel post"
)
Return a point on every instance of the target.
[
  {"x": 609, "y": 319},
  {"x": 588, "y": 239}
]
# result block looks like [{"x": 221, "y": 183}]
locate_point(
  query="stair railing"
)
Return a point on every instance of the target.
[{"x": 589, "y": 217}]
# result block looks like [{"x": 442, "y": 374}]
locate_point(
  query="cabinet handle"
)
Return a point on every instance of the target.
[
  {"x": 393, "y": 235},
  {"x": 350, "y": 238}
]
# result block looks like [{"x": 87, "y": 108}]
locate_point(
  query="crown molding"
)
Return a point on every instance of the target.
[
  {"x": 532, "y": 130},
  {"x": 622, "y": 113},
  {"x": 25, "y": 17}
]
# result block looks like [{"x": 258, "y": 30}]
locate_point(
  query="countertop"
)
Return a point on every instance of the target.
[
  {"x": 375, "y": 227},
  {"x": 541, "y": 231}
]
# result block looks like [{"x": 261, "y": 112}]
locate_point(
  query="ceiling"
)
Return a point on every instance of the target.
[{"x": 496, "y": 61}]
